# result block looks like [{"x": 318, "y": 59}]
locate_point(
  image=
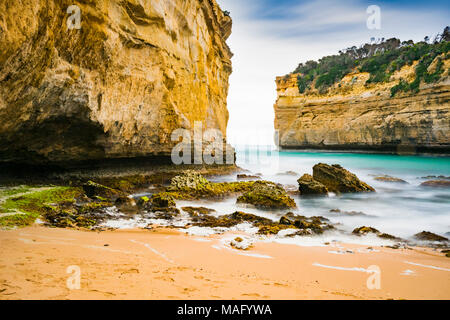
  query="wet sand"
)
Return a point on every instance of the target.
[{"x": 166, "y": 264}]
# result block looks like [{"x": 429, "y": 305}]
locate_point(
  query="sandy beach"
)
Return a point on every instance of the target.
[{"x": 167, "y": 264}]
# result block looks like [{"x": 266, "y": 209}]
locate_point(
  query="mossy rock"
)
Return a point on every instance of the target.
[
  {"x": 17, "y": 220},
  {"x": 33, "y": 205},
  {"x": 365, "y": 230},
  {"x": 240, "y": 217},
  {"x": 272, "y": 229},
  {"x": 189, "y": 180},
  {"x": 307, "y": 186},
  {"x": 71, "y": 218},
  {"x": 93, "y": 189},
  {"x": 267, "y": 195},
  {"x": 316, "y": 224},
  {"x": 197, "y": 211},
  {"x": 429, "y": 236},
  {"x": 230, "y": 220},
  {"x": 162, "y": 200},
  {"x": 339, "y": 180}
]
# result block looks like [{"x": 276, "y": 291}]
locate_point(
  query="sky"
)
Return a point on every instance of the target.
[{"x": 271, "y": 37}]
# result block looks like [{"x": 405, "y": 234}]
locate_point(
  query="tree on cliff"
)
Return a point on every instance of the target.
[{"x": 380, "y": 59}]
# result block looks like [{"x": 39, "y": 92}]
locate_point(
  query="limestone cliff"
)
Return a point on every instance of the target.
[
  {"x": 354, "y": 114},
  {"x": 118, "y": 86}
]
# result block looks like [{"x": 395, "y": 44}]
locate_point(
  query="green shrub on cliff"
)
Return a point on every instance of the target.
[{"x": 380, "y": 60}]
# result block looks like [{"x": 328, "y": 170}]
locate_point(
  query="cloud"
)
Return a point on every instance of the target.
[{"x": 271, "y": 37}]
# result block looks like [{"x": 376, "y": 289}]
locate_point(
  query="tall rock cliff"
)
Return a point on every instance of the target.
[
  {"x": 355, "y": 114},
  {"x": 118, "y": 86}
]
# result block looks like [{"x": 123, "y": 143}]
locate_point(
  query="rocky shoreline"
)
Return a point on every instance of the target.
[{"x": 100, "y": 203}]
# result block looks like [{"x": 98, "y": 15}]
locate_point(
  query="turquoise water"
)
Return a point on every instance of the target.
[
  {"x": 399, "y": 209},
  {"x": 402, "y": 210}
]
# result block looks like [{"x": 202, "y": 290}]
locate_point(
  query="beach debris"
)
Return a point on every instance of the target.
[
  {"x": 339, "y": 180},
  {"x": 307, "y": 185}
]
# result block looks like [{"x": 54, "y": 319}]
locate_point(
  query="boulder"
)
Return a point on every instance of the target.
[
  {"x": 267, "y": 195},
  {"x": 162, "y": 200},
  {"x": 307, "y": 185},
  {"x": 337, "y": 179},
  {"x": 429, "y": 236},
  {"x": 96, "y": 190}
]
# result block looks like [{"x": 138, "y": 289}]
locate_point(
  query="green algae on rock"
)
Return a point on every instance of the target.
[
  {"x": 337, "y": 179},
  {"x": 32, "y": 205},
  {"x": 307, "y": 185},
  {"x": 267, "y": 195},
  {"x": 93, "y": 189},
  {"x": 367, "y": 230},
  {"x": 197, "y": 211}
]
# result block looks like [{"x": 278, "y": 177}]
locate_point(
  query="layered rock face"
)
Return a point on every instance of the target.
[
  {"x": 117, "y": 87},
  {"x": 357, "y": 115}
]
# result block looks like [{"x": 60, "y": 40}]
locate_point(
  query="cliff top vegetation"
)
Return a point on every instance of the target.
[{"x": 380, "y": 59}]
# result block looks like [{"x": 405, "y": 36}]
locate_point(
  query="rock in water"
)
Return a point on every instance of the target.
[
  {"x": 337, "y": 179},
  {"x": 267, "y": 195},
  {"x": 436, "y": 184},
  {"x": 117, "y": 87},
  {"x": 188, "y": 180},
  {"x": 96, "y": 190},
  {"x": 307, "y": 185},
  {"x": 390, "y": 179},
  {"x": 429, "y": 236}
]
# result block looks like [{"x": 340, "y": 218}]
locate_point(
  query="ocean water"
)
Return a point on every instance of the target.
[{"x": 398, "y": 209}]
